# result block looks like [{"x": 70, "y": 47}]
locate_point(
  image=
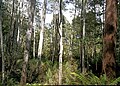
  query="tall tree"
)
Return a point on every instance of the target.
[
  {"x": 109, "y": 39},
  {"x": 19, "y": 19},
  {"x": 61, "y": 42},
  {"x": 1, "y": 43},
  {"x": 42, "y": 29},
  {"x": 31, "y": 9},
  {"x": 40, "y": 45},
  {"x": 83, "y": 35},
  {"x": 34, "y": 38}
]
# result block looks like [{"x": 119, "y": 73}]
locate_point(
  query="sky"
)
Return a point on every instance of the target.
[{"x": 67, "y": 14}]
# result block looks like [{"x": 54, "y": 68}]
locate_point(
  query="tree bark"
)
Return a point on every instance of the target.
[
  {"x": 41, "y": 35},
  {"x": 83, "y": 36},
  {"x": 1, "y": 43},
  {"x": 42, "y": 29},
  {"x": 34, "y": 38},
  {"x": 109, "y": 39},
  {"x": 61, "y": 42},
  {"x": 20, "y": 21}
]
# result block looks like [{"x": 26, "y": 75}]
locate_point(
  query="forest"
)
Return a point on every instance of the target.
[{"x": 59, "y": 42}]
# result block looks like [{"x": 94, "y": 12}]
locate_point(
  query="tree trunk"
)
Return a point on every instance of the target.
[
  {"x": 34, "y": 39},
  {"x": 20, "y": 21},
  {"x": 12, "y": 28},
  {"x": 18, "y": 31},
  {"x": 1, "y": 41},
  {"x": 41, "y": 35},
  {"x": 61, "y": 43},
  {"x": 42, "y": 29},
  {"x": 28, "y": 41},
  {"x": 83, "y": 37},
  {"x": 94, "y": 46},
  {"x": 109, "y": 39}
]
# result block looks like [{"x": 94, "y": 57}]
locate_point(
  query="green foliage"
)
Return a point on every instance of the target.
[
  {"x": 49, "y": 73},
  {"x": 34, "y": 84},
  {"x": 52, "y": 75},
  {"x": 31, "y": 72},
  {"x": 115, "y": 81},
  {"x": 68, "y": 67},
  {"x": 91, "y": 79},
  {"x": 12, "y": 82},
  {"x": 49, "y": 70}
]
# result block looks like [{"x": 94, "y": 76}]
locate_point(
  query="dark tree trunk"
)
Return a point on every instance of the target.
[
  {"x": 2, "y": 60},
  {"x": 109, "y": 39}
]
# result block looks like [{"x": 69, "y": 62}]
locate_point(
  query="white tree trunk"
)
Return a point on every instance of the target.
[
  {"x": 83, "y": 47},
  {"x": 61, "y": 43},
  {"x": 34, "y": 39},
  {"x": 40, "y": 44},
  {"x": 60, "y": 56},
  {"x": 18, "y": 12},
  {"x": 42, "y": 29},
  {"x": 18, "y": 35}
]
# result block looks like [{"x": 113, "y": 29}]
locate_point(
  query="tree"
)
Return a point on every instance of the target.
[
  {"x": 109, "y": 39},
  {"x": 42, "y": 29},
  {"x": 34, "y": 38},
  {"x": 1, "y": 44},
  {"x": 61, "y": 42},
  {"x": 28, "y": 41},
  {"x": 40, "y": 45},
  {"x": 83, "y": 36}
]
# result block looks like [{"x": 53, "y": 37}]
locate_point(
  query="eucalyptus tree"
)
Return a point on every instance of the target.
[
  {"x": 40, "y": 45},
  {"x": 84, "y": 2},
  {"x": 109, "y": 39},
  {"x": 31, "y": 9},
  {"x": 42, "y": 29},
  {"x": 34, "y": 27},
  {"x": 61, "y": 42},
  {"x": 20, "y": 19}
]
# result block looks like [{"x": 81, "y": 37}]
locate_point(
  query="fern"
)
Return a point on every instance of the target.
[
  {"x": 94, "y": 79},
  {"x": 82, "y": 78},
  {"x": 91, "y": 79},
  {"x": 103, "y": 79},
  {"x": 115, "y": 82}
]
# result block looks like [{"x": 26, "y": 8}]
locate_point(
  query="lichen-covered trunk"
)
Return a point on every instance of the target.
[{"x": 109, "y": 39}]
